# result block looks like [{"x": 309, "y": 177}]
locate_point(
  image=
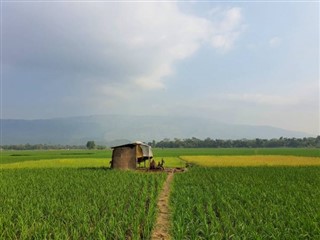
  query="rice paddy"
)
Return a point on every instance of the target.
[
  {"x": 257, "y": 160},
  {"x": 59, "y": 163},
  {"x": 84, "y": 203},
  {"x": 225, "y": 194},
  {"x": 246, "y": 203}
]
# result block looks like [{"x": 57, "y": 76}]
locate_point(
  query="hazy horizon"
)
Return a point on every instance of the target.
[{"x": 253, "y": 63}]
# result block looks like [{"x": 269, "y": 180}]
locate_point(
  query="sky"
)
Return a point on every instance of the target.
[{"x": 241, "y": 62}]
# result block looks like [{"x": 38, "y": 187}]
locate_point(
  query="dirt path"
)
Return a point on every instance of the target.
[{"x": 162, "y": 227}]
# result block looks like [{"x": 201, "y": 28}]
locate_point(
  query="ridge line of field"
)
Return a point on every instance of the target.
[{"x": 162, "y": 226}]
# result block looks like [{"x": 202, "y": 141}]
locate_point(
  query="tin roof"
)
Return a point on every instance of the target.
[
  {"x": 132, "y": 144},
  {"x": 145, "y": 148}
]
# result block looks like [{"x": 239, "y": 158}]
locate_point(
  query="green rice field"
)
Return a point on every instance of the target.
[
  {"x": 84, "y": 203},
  {"x": 246, "y": 203},
  {"x": 19, "y": 156},
  {"x": 74, "y": 195}
]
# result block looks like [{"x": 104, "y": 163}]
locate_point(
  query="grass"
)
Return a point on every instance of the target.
[
  {"x": 246, "y": 203},
  {"x": 90, "y": 203},
  {"x": 171, "y": 162},
  {"x": 32, "y": 155},
  {"x": 20, "y": 156},
  {"x": 176, "y": 152},
  {"x": 59, "y": 163},
  {"x": 257, "y": 160},
  {"x": 73, "y": 195}
]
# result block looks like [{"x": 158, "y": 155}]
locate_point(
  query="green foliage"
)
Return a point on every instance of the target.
[
  {"x": 60, "y": 163},
  {"x": 41, "y": 147},
  {"x": 240, "y": 143},
  {"x": 20, "y": 156},
  {"x": 306, "y": 142},
  {"x": 90, "y": 203},
  {"x": 91, "y": 145},
  {"x": 246, "y": 203},
  {"x": 207, "y": 203},
  {"x": 171, "y": 162},
  {"x": 177, "y": 152}
]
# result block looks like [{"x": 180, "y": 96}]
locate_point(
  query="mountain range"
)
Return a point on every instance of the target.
[{"x": 112, "y": 129}]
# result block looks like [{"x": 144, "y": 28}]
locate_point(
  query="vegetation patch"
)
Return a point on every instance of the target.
[
  {"x": 74, "y": 195},
  {"x": 171, "y": 162},
  {"x": 257, "y": 160},
  {"x": 9, "y": 156},
  {"x": 78, "y": 204},
  {"x": 19, "y": 155},
  {"x": 176, "y": 152},
  {"x": 246, "y": 203},
  {"x": 59, "y": 163},
  {"x": 78, "y": 153},
  {"x": 35, "y": 155}
]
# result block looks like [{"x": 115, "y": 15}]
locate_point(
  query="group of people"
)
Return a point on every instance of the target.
[{"x": 159, "y": 165}]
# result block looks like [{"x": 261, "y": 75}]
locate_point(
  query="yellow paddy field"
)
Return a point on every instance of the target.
[
  {"x": 58, "y": 163},
  {"x": 256, "y": 160},
  {"x": 207, "y": 161}
]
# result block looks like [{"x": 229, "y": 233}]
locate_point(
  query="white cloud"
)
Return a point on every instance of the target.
[
  {"x": 154, "y": 79},
  {"x": 275, "y": 42},
  {"x": 227, "y": 30},
  {"x": 101, "y": 57},
  {"x": 112, "y": 44}
]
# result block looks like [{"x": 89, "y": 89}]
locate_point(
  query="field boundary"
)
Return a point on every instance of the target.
[{"x": 162, "y": 226}]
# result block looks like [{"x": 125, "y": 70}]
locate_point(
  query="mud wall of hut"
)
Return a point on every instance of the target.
[{"x": 124, "y": 157}]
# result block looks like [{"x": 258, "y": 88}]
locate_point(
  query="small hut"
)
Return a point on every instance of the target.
[{"x": 127, "y": 156}]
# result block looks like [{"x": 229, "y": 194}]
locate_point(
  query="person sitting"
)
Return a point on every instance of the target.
[
  {"x": 152, "y": 164},
  {"x": 162, "y": 162},
  {"x": 160, "y": 165}
]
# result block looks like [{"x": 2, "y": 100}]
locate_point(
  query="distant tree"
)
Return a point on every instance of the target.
[
  {"x": 91, "y": 145},
  {"x": 100, "y": 147}
]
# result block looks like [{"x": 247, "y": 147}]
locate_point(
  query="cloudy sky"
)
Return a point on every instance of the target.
[{"x": 236, "y": 62}]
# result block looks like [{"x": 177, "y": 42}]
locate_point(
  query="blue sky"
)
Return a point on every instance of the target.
[{"x": 238, "y": 62}]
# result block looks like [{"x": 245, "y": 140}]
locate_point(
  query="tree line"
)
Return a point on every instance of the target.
[
  {"x": 28, "y": 146},
  {"x": 89, "y": 145},
  {"x": 310, "y": 142},
  {"x": 307, "y": 142}
]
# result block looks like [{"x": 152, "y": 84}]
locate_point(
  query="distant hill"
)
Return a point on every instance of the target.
[{"x": 117, "y": 129}]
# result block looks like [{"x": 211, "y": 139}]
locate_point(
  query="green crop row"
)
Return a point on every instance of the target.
[
  {"x": 177, "y": 152},
  {"x": 28, "y": 155},
  {"x": 89, "y": 203},
  {"x": 34, "y": 155},
  {"x": 246, "y": 203}
]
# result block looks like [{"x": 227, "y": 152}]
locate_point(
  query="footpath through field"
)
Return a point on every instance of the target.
[{"x": 162, "y": 227}]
